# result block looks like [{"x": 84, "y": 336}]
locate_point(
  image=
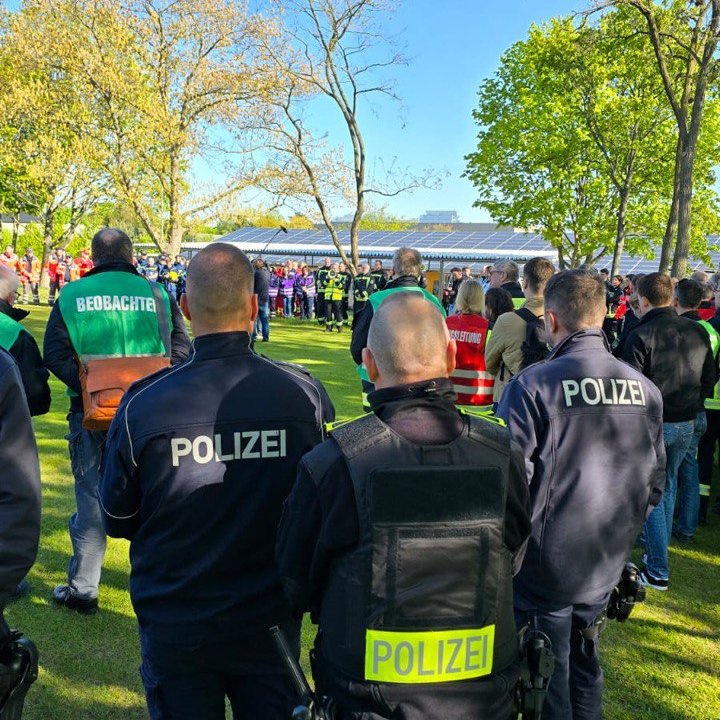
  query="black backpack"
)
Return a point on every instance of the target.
[{"x": 535, "y": 347}]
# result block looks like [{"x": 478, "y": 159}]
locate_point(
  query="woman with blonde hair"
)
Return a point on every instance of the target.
[{"x": 470, "y": 329}]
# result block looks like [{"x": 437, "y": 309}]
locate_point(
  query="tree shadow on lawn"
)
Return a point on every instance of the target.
[{"x": 89, "y": 653}]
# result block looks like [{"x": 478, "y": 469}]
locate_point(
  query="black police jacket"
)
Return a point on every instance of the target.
[
  {"x": 198, "y": 462},
  {"x": 675, "y": 353},
  {"x": 591, "y": 427},
  {"x": 20, "y": 506},
  {"x": 320, "y": 518},
  {"x": 58, "y": 351},
  {"x": 26, "y": 353},
  {"x": 365, "y": 316}
]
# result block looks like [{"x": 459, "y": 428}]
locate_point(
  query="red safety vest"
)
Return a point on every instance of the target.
[{"x": 473, "y": 384}]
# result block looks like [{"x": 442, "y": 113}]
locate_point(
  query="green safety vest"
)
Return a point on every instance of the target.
[
  {"x": 113, "y": 314},
  {"x": 376, "y": 300},
  {"x": 9, "y": 331},
  {"x": 518, "y": 302},
  {"x": 713, "y": 403}
]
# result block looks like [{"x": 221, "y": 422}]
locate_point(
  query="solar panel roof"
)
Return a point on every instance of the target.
[{"x": 471, "y": 247}]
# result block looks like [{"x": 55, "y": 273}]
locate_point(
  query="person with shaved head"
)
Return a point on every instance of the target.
[
  {"x": 198, "y": 463},
  {"x": 399, "y": 538}
]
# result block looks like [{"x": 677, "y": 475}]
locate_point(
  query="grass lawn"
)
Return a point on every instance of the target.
[{"x": 663, "y": 664}]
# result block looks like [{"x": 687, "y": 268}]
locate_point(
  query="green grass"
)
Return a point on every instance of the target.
[{"x": 663, "y": 664}]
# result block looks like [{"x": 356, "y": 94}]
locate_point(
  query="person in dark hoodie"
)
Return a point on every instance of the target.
[
  {"x": 22, "y": 346},
  {"x": 675, "y": 353}
]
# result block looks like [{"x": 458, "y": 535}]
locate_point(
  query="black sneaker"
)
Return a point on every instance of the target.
[
  {"x": 649, "y": 581},
  {"x": 681, "y": 538},
  {"x": 64, "y": 595},
  {"x": 22, "y": 589}
]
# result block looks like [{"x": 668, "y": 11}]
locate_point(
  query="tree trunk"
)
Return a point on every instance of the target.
[
  {"x": 48, "y": 240},
  {"x": 687, "y": 167},
  {"x": 15, "y": 230},
  {"x": 671, "y": 227},
  {"x": 173, "y": 244},
  {"x": 620, "y": 234}
]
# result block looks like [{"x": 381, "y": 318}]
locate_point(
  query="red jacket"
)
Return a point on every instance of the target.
[{"x": 473, "y": 384}]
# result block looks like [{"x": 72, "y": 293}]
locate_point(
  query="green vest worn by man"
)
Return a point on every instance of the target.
[
  {"x": 375, "y": 301},
  {"x": 9, "y": 331},
  {"x": 115, "y": 315}
]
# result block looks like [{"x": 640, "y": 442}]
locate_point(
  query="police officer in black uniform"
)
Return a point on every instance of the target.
[
  {"x": 346, "y": 279},
  {"x": 399, "y": 538},
  {"x": 591, "y": 428},
  {"x": 198, "y": 463},
  {"x": 321, "y": 279},
  {"x": 363, "y": 288},
  {"x": 378, "y": 275},
  {"x": 19, "y": 530}
]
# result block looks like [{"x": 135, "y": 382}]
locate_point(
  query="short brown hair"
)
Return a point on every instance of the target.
[
  {"x": 689, "y": 293},
  {"x": 537, "y": 272},
  {"x": 577, "y": 297},
  {"x": 656, "y": 288}
]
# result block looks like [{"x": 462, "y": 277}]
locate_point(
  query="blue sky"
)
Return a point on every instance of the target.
[{"x": 453, "y": 46}]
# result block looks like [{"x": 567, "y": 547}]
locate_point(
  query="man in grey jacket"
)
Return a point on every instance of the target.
[{"x": 591, "y": 427}]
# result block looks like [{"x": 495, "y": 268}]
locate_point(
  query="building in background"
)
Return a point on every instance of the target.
[{"x": 439, "y": 217}]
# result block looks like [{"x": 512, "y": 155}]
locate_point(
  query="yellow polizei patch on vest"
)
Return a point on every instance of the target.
[{"x": 428, "y": 657}]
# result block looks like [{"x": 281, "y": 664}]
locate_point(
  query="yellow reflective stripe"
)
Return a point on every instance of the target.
[
  {"x": 484, "y": 413},
  {"x": 329, "y": 427},
  {"x": 431, "y": 656}
]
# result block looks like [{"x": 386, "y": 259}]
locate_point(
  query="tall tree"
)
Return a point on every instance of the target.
[
  {"x": 165, "y": 83},
  {"x": 333, "y": 52},
  {"x": 47, "y": 167},
  {"x": 539, "y": 163},
  {"x": 684, "y": 37}
]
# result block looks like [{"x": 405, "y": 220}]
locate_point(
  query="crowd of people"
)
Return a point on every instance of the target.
[{"x": 521, "y": 435}]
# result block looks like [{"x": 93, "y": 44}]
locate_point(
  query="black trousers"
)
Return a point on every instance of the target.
[
  {"x": 575, "y": 690},
  {"x": 357, "y": 307},
  {"x": 345, "y": 305},
  {"x": 488, "y": 698},
  {"x": 706, "y": 459},
  {"x": 320, "y": 308},
  {"x": 190, "y": 680},
  {"x": 333, "y": 313}
]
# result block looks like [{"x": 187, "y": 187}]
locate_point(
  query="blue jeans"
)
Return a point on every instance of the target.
[
  {"x": 287, "y": 306},
  {"x": 308, "y": 307},
  {"x": 658, "y": 527},
  {"x": 87, "y": 534},
  {"x": 262, "y": 324},
  {"x": 575, "y": 690},
  {"x": 689, "y": 483}
]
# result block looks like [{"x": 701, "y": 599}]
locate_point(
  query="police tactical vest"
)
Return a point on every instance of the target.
[
  {"x": 9, "y": 331},
  {"x": 426, "y": 596},
  {"x": 114, "y": 314},
  {"x": 376, "y": 299}
]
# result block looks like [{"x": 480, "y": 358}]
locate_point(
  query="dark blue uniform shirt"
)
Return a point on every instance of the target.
[{"x": 198, "y": 463}]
